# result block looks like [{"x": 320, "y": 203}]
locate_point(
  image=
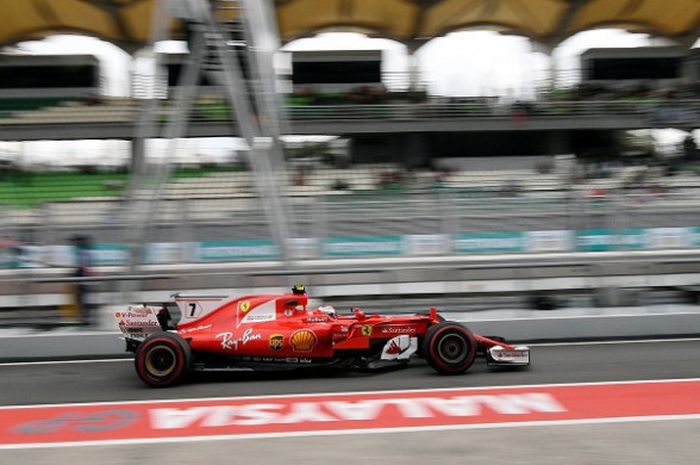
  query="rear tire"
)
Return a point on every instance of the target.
[
  {"x": 163, "y": 359},
  {"x": 450, "y": 348}
]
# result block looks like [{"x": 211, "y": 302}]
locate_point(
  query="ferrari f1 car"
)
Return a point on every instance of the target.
[{"x": 273, "y": 332}]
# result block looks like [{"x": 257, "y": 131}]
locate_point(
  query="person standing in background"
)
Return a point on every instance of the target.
[{"x": 83, "y": 254}]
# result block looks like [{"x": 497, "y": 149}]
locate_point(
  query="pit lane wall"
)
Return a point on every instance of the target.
[
  {"x": 611, "y": 323},
  {"x": 496, "y": 242}
]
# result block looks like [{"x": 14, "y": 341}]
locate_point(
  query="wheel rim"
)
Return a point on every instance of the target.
[
  {"x": 161, "y": 361},
  {"x": 452, "y": 348}
]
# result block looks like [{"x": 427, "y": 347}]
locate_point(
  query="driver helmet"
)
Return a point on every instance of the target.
[
  {"x": 299, "y": 289},
  {"x": 328, "y": 310}
]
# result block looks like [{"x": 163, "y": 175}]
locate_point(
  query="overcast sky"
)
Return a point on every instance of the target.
[{"x": 466, "y": 63}]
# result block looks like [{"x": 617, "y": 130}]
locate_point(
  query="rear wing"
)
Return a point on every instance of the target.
[
  {"x": 139, "y": 321},
  {"x": 196, "y": 306}
]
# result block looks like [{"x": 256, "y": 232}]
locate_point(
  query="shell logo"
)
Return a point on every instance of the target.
[
  {"x": 244, "y": 306},
  {"x": 117, "y": 315},
  {"x": 303, "y": 340}
]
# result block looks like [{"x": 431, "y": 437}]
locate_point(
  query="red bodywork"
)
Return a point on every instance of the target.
[{"x": 281, "y": 326}]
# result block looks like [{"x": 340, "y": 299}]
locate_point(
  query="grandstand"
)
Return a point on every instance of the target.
[
  {"x": 219, "y": 193},
  {"x": 394, "y": 184}
]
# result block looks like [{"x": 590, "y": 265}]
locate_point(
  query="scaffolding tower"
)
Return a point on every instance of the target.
[{"x": 221, "y": 35}]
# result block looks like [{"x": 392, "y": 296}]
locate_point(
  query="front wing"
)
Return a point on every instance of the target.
[{"x": 511, "y": 356}]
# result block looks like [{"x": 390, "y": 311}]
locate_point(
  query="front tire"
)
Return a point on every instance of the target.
[
  {"x": 163, "y": 359},
  {"x": 450, "y": 348}
]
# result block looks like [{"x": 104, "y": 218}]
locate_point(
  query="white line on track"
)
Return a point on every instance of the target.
[
  {"x": 55, "y": 334},
  {"x": 411, "y": 429},
  {"x": 65, "y": 362},
  {"x": 314, "y": 395},
  {"x": 621, "y": 342}
]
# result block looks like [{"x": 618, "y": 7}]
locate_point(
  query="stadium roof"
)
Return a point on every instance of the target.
[{"x": 127, "y": 22}]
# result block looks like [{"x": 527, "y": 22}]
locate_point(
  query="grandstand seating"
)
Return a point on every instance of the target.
[
  {"x": 225, "y": 206},
  {"x": 325, "y": 181},
  {"x": 113, "y": 110},
  {"x": 318, "y": 181},
  {"x": 125, "y": 110}
]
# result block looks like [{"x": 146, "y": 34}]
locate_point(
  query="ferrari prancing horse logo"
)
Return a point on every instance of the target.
[
  {"x": 244, "y": 306},
  {"x": 366, "y": 330}
]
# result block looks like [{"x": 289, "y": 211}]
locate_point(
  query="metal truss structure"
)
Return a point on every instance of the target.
[{"x": 215, "y": 48}]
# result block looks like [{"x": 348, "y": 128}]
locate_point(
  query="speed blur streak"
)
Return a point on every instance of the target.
[{"x": 387, "y": 411}]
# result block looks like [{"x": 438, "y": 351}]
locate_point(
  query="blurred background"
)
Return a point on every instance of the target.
[{"x": 499, "y": 159}]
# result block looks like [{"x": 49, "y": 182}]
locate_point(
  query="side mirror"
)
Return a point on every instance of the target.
[{"x": 359, "y": 314}]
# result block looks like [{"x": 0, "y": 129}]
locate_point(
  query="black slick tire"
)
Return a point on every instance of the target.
[
  {"x": 450, "y": 348},
  {"x": 163, "y": 359}
]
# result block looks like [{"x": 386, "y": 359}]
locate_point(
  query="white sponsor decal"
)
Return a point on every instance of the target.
[
  {"x": 194, "y": 308},
  {"x": 228, "y": 342},
  {"x": 399, "y": 330},
  {"x": 249, "y": 336},
  {"x": 137, "y": 312},
  {"x": 141, "y": 324},
  {"x": 264, "y": 312},
  {"x": 138, "y": 322},
  {"x": 400, "y": 348},
  {"x": 196, "y": 328},
  {"x": 329, "y": 411},
  {"x": 517, "y": 355}
]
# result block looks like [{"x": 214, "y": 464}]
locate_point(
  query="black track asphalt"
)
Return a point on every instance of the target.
[{"x": 116, "y": 380}]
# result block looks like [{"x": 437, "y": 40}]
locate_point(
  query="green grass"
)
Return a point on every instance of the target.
[
  {"x": 25, "y": 104},
  {"x": 28, "y": 190}
]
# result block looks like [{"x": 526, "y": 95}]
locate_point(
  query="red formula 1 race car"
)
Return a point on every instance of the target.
[{"x": 273, "y": 332}]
